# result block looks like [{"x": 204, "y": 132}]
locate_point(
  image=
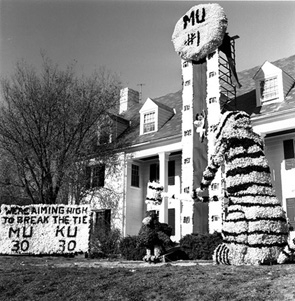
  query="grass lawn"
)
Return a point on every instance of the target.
[{"x": 57, "y": 278}]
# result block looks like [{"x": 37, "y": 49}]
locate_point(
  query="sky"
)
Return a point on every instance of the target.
[{"x": 133, "y": 38}]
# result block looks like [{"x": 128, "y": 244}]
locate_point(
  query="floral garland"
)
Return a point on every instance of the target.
[{"x": 255, "y": 229}]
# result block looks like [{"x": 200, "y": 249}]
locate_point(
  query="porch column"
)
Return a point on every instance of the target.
[{"x": 164, "y": 158}]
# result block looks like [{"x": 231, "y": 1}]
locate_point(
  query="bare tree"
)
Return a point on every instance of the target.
[{"x": 49, "y": 121}]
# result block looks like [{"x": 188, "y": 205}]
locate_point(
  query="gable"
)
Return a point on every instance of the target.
[
  {"x": 153, "y": 115},
  {"x": 246, "y": 96},
  {"x": 269, "y": 84},
  {"x": 149, "y": 105},
  {"x": 267, "y": 69},
  {"x": 171, "y": 128}
]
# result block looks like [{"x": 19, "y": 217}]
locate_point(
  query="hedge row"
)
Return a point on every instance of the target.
[
  {"x": 200, "y": 246},
  {"x": 195, "y": 246}
]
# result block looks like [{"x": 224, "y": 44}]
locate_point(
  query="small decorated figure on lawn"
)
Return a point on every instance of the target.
[
  {"x": 154, "y": 236},
  {"x": 255, "y": 230}
]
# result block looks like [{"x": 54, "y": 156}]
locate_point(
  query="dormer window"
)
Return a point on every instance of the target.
[
  {"x": 110, "y": 127},
  {"x": 104, "y": 137},
  {"x": 269, "y": 89},
  {"x": 153, "y": 115},
  {"x": 272, "y": 84},
  {"x": 149, "y": 122}
]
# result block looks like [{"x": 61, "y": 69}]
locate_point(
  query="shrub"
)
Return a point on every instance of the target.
[
  {"x": 200, "y": 246},
  {"x": 130, "y": 248},
  {"x": 105, "y": 243}
]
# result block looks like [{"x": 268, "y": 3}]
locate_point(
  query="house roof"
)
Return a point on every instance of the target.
[
  {"x": 163, "y": 106},
  {"x": 118, "y": 118},
  {"x": 246, "y": 96},
  {"x": 170, "y": 129},
  {"x": 245, "y": 101}
]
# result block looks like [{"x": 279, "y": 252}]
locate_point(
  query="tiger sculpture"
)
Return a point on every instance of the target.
[{"x": 255, "y": 230}]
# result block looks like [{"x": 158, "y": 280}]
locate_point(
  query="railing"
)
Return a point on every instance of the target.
[{"x": 227, "y": 87}]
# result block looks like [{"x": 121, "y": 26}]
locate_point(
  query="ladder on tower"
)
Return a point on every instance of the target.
[{"x": 227, "y": 85}]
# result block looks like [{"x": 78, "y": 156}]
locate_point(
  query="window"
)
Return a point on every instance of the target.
[
  {"x": 154, "y": 172},
  {"x": 269, "y": 89},
  {"x": 134, "y": 175},
  {"x": 98, "y": 173},
  {"x": 95, "y": 176},
  {"x": 171, "y": 173},
  {"x": 101, "y": 220},
  {"x": 149, "y": 122},
  {"x": 288, "y": 149}
]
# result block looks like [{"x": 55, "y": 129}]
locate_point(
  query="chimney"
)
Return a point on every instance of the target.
[{"x": 128, "y": 98}]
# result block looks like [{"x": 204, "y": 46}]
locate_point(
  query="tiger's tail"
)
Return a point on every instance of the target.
[
  {"x": 220, "y": 255},
  {"x": 287, "y": 252}
]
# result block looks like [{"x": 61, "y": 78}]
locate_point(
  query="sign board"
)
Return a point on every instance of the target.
[
  {"x": 44, "y": 229},
  {"x": 200, "y": 31}
]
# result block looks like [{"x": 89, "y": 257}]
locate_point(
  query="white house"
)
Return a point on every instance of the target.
[{"x": 154, "y": 128}]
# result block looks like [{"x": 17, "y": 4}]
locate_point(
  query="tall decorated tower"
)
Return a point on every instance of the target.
[{"x": 207, "y": 60}]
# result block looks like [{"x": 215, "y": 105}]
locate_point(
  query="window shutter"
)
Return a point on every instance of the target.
[
  {"x": 171, "y": 172},
  {"x": 154, "y": 172},
  {"x": 288, "y": 149}
]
